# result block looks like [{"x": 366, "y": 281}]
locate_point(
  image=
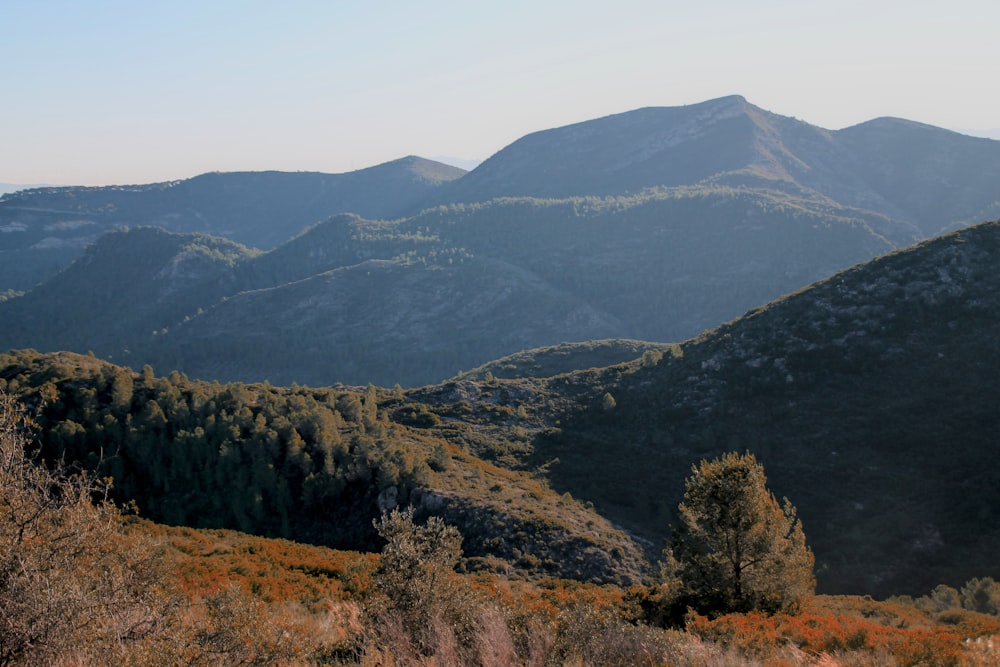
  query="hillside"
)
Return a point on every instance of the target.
[
  {"x": 923, "y": 173},
  {"x": 869, "y": 398},
  {"x": 543, "y": 362},
  {"x": 46, "y": 228},
  {"x": 313, "y": 465},
  {"x": 127, "y": 287},
  {"x": 416, "y": 300}
]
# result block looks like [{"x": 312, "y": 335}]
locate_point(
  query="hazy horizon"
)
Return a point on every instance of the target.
[{"x": 111, "y": 92}]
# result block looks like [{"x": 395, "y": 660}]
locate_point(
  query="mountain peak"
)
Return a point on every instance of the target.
[
  {"x": 728, "y": 101},
  {"x": 893, "y": 123},
  {"x": 621, "y": 153}
]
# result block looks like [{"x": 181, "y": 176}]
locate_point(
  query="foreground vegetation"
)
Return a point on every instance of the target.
[{"x": 84, "y": 583}]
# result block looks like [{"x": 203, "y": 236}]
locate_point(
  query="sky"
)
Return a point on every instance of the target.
[{"x": 119, "y": 92}]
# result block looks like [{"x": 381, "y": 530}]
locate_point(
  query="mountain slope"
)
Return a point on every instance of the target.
[
  {"x": 616, "y": 154},
  {"x": 415, "y": 301},
  {"x": 127, "y": 286},
  {"x": 379, "y": 321},
  {"x": 543, "y": 362},
  {"x": 869, "y": 397},
  {"x": 924, "y": 173},
  {"x": 464, "y": 285}
]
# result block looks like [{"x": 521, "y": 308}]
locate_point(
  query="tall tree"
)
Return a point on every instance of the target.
[{"x": 737, "y": 549}]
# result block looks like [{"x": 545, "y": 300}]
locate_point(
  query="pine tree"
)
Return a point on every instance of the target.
[{"x": 737, "y": 549}]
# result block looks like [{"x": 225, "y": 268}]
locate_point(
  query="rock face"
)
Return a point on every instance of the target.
[{"x": 388, "y": 499}]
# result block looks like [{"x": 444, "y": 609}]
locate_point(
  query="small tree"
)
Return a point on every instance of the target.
[
  {"x": 420, "y": 592},
  {"x": 417, "y": 561},
  {"x": 737, "y": 549},
  {"x": 982, "y": 595}
]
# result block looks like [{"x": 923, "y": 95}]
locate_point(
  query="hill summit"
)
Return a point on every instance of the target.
[{"x": 880, "y": 166}]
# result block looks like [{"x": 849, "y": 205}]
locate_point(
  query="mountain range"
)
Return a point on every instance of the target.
[
  {"x": 656, "y": 224},
  {"x": 44, "y": 229},
  {"x": 868, "y": 397},
  {"x": 414, "y": 301},
  {"x": 920, "y": 179}
]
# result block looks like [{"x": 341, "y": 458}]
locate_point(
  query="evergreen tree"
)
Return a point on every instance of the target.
[{"x": 737, "y": 549}]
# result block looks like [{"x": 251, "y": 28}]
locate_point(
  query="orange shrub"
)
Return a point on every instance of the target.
[
  {"x": 942, "y": 641},
  {"x": 273, "y": 570}
]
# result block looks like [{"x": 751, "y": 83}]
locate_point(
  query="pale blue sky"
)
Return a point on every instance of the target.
[{"x": 102, "y": 91}]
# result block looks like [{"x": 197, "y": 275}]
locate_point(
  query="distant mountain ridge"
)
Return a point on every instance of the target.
[
  {"x": 257, "y": 209},
  {"x": 654, "y": 224},
  {"x": 993, "y": 133},
  {"x": 920, "y": 179},
  {"x": 415, "y": 301},
  {"x": 6, "y": 188},
  {"x": 728, "y": 141}
]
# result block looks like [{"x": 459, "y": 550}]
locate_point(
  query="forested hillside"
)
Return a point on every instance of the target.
[
  {"x": 869, "y": 398},
  {"x": 127, "y": 287},
  {"x": 316, "y": 465}
]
